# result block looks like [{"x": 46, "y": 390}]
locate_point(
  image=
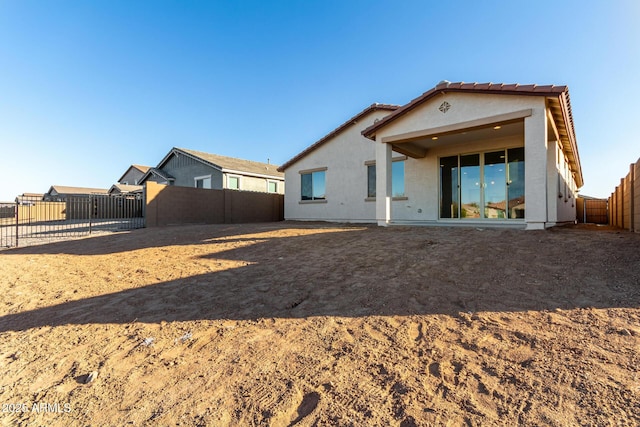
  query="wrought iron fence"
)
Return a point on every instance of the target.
[
  {"x": 7, "y": 224},
  {"x": 31, "y": 220}
]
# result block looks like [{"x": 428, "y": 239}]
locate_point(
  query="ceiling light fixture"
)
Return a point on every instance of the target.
[
  {"x": 497, "y": 127},
  {"x": 434, "y": 137}
]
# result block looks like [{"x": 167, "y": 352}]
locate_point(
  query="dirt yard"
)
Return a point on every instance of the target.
[{"x": 314, "y": 324}]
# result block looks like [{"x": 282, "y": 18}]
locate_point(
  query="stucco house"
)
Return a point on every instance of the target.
[
  {"x": 189, "y": 168},
  {"x": 459, "y": 154}
]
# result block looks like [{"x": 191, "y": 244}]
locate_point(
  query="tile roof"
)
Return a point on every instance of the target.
[
  {"x": 560, "y": 109},
  {"x": 336, "y": 131},
  {"x": 143, "y": 169},
  {"x": 445, "y": 86},
  {"x": 125, "y": 188},
  {"x": 62, "y": 189},
  {"x": 231, "y": 163}
]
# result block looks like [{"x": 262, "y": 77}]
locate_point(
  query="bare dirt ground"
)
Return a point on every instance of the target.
[{"x": 316, "y": 324}]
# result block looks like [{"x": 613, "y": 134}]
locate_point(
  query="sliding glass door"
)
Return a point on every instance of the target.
[
  {"x": 470, "y": 186},
  {"x": 494, "y": 185},
  {"x": 486, "y": 185}
]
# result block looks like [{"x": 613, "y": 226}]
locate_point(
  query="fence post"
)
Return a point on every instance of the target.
[
  {"x": 17, "y": 220},
  {"x": 90, "y": 211},
  {"x": 631, "y": 197}
]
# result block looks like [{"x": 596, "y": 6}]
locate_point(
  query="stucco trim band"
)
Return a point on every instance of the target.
[{"x": 476, "y": 123}]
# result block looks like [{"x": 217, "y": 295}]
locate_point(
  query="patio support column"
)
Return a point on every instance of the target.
[
  {"x": 383, "y": 183},
  {"x": 535, "y": 177},
  {"x": 553, "y": 180}
]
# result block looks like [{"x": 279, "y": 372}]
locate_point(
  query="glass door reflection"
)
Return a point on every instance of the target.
[
  {"x": 470, "y": 186},
  {"x": 494, "y": 185}
]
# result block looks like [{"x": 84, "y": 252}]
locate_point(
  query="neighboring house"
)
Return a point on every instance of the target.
[
  {"x": 29, "y": 197},
  {"x": 454, "y": 155},
  {"x": 121, "y": 189},
  {"x": 133, "y": 175},
  {"x": 189, "y": 168},
  {"x": 59, "y": 193}
]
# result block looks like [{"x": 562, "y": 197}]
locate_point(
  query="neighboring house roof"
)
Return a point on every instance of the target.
[
  {"x": 142, "y": 169},
  {"x": 158, "y": 172},
  {"x": 125, "y": 188},
  {"x": 227, "y": 164},
  {"x": 336, "y": 131},
  {"x": 560, "y": 107},
  {"x": 61, "y": 189}
]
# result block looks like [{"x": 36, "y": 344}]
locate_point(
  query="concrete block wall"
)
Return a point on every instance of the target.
[
  {"x": 172, "y": 205},
  {"x": 624, "y": 203},
  {"x": 636, "y": 196}
]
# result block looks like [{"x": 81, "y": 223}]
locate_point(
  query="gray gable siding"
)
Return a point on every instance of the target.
[
  {"x": 155, "y": 178},
  {"x": 184, "y": 169},
  {"x": 132, "y": 177}
]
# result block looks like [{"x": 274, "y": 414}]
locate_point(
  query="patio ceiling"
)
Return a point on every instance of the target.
[{"x": 418, "y": 146}]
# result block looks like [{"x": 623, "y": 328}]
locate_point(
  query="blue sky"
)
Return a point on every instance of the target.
[{"x": 88, "y": 88}]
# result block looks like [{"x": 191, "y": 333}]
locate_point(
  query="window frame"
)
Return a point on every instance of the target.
[
  {"x": 236, "y": 177},
  {"x": 372, "y": 163},
  {"x": 311, "y": 172},
  {"x": 203, "y": 178},
  {"x": 269, "y": 182}
]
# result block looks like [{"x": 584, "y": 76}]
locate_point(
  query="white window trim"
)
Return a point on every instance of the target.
[
  {"x": 203, "y": 177},
  {"x": 311, "y": 171},
  {"x": 394, "y": 159},
  {"x": 269, "y": 181},
  {"x": 234, "y": 176}
]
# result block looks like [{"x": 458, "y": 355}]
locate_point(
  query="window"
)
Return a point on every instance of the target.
[
  {"x": 371, "y": 180},
  {"x": 202, "y": 181},
  {"x": 397, "y": 179},
  {"x": 233, "y": 182},
  {"x": 313, "y": 185},
  {"x": 272, "y": 186}
]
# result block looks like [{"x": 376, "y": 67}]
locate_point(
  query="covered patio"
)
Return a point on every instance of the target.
[{"x": 468, "y": 145}]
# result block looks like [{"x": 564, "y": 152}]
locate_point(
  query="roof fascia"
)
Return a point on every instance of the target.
[
  {"x": 443, "y": 89},
  {"x": 336, "y": 132}
]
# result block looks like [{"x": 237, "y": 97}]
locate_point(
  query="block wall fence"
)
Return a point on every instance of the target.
[
  {"x": 173, "y": 205},
  {"x": 624, "y": 203}
]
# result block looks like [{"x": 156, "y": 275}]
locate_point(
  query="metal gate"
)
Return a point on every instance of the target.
[
  {"x": 32, "y": 220},
  {"x": 594, "y": 211}
]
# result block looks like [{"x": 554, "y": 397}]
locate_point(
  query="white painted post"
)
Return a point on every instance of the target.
[
  {"x": 535, "y": 176},
  {"x": 383, "y": 183}
]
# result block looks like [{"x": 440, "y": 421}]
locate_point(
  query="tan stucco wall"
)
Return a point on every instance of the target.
[
  {"x": 463, "y": 107},
  {"x": 252, "y": 183},
  {"x": 562, "y": 185},
  {"x": 346, "y": 177}
]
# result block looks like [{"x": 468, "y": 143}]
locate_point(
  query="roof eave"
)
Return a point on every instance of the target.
[
  {"x": 337, "y": 131},
  {"x": 445, "y": 87}
]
